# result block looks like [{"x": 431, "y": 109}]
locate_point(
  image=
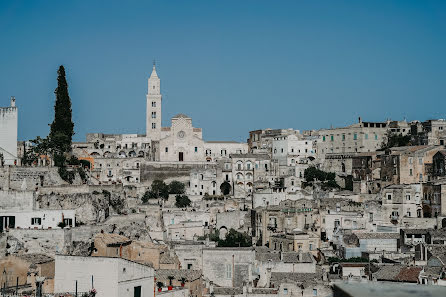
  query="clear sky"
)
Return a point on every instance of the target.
[{"x": 233, "y": 66}]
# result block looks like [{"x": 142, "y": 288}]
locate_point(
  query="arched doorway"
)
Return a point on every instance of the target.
[{"x": 225, "y": 188}]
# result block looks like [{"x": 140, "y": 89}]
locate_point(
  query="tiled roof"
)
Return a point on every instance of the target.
[
  {"x": 228, "y": 291},
  {"x": 112, "y": 238},
  {"x": 416, "y": 231},
  {"x": 432, "y": 271},
  {"x": 398, "y": 273},
  {"x": 294, "y": 257},
  {"x": 377, "y": 235},
  {"x": 278, "y": 278},
  {"x": 167, "y": 259},
  {"x": 35, "y": 258},
  {"x": 189, "y": 275},
  {"x": 181, "y": 115},
  {"x": 439, "y": 233},
  {"x": 438, "y": 251}
]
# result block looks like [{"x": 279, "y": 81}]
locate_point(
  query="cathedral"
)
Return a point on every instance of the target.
[{"x": 180, "y": 142}]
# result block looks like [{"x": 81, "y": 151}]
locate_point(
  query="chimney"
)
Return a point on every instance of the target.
[
  {"x": 12, "y": 101},
  {"x": 211, "y": 287},
  {"x": 268, "y": 277},
  {"x": 359, "y": 120}
]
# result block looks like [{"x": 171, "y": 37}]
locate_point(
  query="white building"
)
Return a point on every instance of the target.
[
  {"x": 37, "y": 219},
  {"x": 110, "y": 277},
  {"x": 291, "y": 149},
  {"x": 8, "y": 133}
]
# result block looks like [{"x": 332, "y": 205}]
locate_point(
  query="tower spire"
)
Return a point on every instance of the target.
[{"x": 154, "y": 74}]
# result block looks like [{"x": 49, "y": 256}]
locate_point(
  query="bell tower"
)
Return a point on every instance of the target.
[{"x": 153, "y": 115}]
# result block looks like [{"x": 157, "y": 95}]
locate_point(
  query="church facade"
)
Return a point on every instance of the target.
[{"x": 181, "y": 142}]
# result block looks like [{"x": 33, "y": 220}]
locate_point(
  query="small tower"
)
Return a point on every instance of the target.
[
  {"x": 12, "y": 101},
  {"x": 153, "y": 116}
]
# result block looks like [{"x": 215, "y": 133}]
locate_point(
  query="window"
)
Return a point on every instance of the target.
[
  {"x": 389, "y": 196},
  {"x": 196, "y": 149},
  {"x": 407, "y": 197},
  {"x": 311, "y": 246},
  {"x": 323, "y": 138},
  {"x": 68, "y": 222},
  {"x": 228, "y": 271},
  {"x": 189, "y": 266},
  {"x": 331, "y": 137},
  {"x": 36, "y": 221},
  {"x": 410, "y": 172},
  {"x": 376, "y": 136},
  {"x": 410, "y": 160},
  {"x": 153, "y": 104},
  {"x": 408, "y": 214},
  {"x": 371, "y": 217},
  {"x": 355, "y": 136},
  {"x": 153, "y": 114},
  {"x": 366, "y": 136},
  {"x": 314, "y": 292},
  {"x": 248, "y": 166},
  {"x": 167, "y": 149},
  {"x": 420, "y": 161},
  {"x": 153, "y": 126},
  {"x": 285, "y": 291},
  {"x": 343, "y": 136}
]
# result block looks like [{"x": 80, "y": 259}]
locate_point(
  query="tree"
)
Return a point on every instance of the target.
[
  {"x": 225, "y": 188},
  {"x": 182, "y": 201},
  {"x": 327, "y": 179},
  {"x": 62, "y": 128},
  {"x": 176, "y": 187},
  {"x": 236, "y": 239},
  {"x": 159, "y": 189},
  {"x": 171, "y": 278},
  {"x": 396, "y": 140}
]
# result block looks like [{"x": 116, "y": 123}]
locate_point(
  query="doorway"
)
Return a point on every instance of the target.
[
  {"x": 137, "y": 291},
  {"x": 180, "y": 156}
]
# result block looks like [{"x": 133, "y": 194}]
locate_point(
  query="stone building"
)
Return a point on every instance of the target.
[
  {"x": 409, "y": 164},
  {"x": 305, "y": 242},
  {"x": 261, "y": 141},
  {"x": 286, "y": 217},
  {"x": 118, "y": 246},
  {"x": 292, "y": 149},
  {"x": 359, "y": 137},
  {"x": 229, "y": 267},
  {"x": 439, "y": 164},
  {"x": 8, "y": 134},
  {"x": 400, "y": 201},
  {"x": 434, "y": 199}
]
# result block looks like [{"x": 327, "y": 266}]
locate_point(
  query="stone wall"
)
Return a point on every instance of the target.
[
  {"x": 29, "y": 178},
  {"x": 38, "y": 241},
  {"x": 168, "y": 171},
  {"x": 90, "y": 207},
  {"x": 16, "y": 201}
]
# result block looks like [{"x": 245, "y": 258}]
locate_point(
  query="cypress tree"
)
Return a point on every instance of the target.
[{"x": 62, "y": 128}]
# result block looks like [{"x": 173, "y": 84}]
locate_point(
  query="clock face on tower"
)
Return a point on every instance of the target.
[{"x": 181, "y": 134}]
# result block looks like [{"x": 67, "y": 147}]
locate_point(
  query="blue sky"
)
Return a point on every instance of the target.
[{"x": 233, "y": 66}]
